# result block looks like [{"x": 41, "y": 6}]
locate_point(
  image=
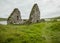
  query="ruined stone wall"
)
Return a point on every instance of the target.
[
  {"x": 15, "y": 17},
  {"x": 35, "y": 14}
]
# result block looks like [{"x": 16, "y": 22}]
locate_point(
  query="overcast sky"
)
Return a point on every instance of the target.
[{"x": 48, "y": 8}]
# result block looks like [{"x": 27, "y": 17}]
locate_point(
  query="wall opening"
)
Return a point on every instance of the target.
[
  {"x": 37, "y": 21},
  {"x": 17, "y": 18}
]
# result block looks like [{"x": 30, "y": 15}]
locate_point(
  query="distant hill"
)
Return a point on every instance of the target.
[
  {"x": 57, "y": 17},
  {"x": 53, "y": 18},
  {"x": 3, "y": 19}
]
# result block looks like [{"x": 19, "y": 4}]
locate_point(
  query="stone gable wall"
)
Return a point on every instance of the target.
[{"x": 15, "y": 17}]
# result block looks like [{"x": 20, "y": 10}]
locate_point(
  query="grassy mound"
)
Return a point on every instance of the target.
[{"x": 46, "y": 32}]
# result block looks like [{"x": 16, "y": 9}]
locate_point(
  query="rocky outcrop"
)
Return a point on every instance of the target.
[
  {"x": 15, "y": 17},
  {"x": 35, "y": 14}
]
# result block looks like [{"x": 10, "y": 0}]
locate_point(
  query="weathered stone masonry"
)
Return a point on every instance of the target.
[
  {"x": 15, "y": 17},
  {"x": 35, "y": 14}
]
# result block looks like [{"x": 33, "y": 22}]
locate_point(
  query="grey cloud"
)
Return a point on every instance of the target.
[{"x": 48, "y": 8}]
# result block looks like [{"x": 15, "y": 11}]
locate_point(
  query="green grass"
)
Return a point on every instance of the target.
[
  {"x": 3, "y": 19},
  {"x": 45, "y": 32}
]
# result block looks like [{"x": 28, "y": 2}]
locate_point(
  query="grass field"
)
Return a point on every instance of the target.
[{"x": 45, "y": 32}]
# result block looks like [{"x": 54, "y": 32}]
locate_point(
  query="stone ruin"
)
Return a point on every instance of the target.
[
  {"x": 35, "y": 14},
  {"x": 15, "y": 17}
]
